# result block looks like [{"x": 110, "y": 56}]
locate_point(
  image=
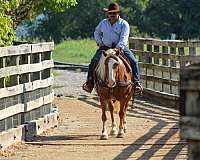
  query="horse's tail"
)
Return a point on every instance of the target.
[{"x": 116, "y": 106}]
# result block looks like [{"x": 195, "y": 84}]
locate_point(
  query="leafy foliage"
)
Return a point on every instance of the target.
[
  {"x": 80, "y": 21},
  {"x": 13, "y": 12},
  {"x": 75, "y": 22},
  {"x": 163, "y": 17},
  {"x": 7, "y": 34},
  {"x": 155, "y": 18}
]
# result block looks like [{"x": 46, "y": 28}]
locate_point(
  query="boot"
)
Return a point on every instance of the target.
[
  {"x": 88, "y": 85},
  {"x": 138, "y": 87}
]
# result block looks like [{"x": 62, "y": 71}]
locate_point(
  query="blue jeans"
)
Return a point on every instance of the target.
[
  {"x": 127, "y": 53},
  {"x": 133, "y": 63}
]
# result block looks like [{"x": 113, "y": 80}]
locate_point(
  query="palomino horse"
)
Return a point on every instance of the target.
[{"x": 114, "y": 87}]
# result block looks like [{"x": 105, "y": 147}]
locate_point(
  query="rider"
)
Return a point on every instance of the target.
[{"x": 112, "y": 33}]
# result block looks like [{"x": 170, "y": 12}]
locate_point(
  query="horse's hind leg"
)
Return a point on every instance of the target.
[
  {"x": 104, "y": 134},
  {"x": 125, "y": 110},
  {"x": 114, "y": 127},
  {"x": 125, "y": 122}
]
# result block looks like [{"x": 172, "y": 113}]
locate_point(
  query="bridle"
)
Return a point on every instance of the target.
[{"x": 119, "y": 76}]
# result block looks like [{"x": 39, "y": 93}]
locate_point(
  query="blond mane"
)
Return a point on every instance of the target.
[{"x": 100, "y": 70}]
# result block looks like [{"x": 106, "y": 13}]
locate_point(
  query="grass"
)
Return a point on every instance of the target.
[
  {"x": 81, "y": 51},
  {"x": 75, "y": 51}
]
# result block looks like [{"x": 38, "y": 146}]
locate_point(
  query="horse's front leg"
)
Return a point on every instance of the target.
[
  {"x": 121, "y": 116},
  {"x": 113, "y": 131},
  {"x": 104, "y": 134}
]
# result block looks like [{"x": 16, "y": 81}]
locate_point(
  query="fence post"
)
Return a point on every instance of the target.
[{"x": 190, "y": 109}]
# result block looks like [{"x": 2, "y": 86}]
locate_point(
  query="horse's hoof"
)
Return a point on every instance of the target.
[
  {"x": 125, "y": 130},
  {"x": 104, "y": 137},
  {"x": 120, "y": 135},
  {"x": 113, "y": 132}
]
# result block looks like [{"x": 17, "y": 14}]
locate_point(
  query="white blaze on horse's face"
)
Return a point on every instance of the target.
[{"x": 112, "y": 63}]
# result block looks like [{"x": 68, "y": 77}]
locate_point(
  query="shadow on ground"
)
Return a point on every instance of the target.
[
  {"x": 162, "y": 115},
  {"x": 154, "y": 115}
]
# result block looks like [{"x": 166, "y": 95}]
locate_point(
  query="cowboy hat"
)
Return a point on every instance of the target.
[{"x": 113, "y": 7}]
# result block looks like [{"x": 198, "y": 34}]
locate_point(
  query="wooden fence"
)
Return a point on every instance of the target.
[
  {"x": 160, "y": 62},
  {"x": 25, "y": 83},
  {"x": 189, "y": 121}
]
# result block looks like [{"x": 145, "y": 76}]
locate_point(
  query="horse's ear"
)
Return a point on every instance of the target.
[
  {"x": 104, "y": 53},
  {"x": 117, "y": 51}
]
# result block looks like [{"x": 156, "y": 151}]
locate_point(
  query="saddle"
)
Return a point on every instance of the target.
[{"x": 121, "y": 56}]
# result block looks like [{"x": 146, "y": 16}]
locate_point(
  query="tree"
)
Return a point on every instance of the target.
[
  {"x": 75, "y": 22},
  {"x": 81, "y": 20},
  {"x": 13, "y": 12},
  {"x": 155, "y": 18},
  {"x": 189, "y": 16},
  {"x": 7, "y": 34},
  {"x": 133, "y": 11},
  {"x": 164, "y": 17},
  {"x": 30, "y": 8}
]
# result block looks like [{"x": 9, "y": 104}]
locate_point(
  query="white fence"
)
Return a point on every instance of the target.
[
  {"x": 160, "y": 62},
  {"x": 25, "y": 83}
]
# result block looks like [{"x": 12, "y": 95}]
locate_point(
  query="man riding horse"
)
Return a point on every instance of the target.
[{"x": 112, "y": 33}]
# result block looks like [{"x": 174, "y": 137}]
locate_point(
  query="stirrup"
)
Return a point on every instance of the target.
[
  {"x": 138, "y": 88},
  {"x": 138, "y": 91}
]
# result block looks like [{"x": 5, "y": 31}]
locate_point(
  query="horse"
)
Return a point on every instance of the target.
[{"x": 114, "y": 86}]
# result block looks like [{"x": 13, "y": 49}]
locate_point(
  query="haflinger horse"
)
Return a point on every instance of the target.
[{"x": 113, "y": 82}]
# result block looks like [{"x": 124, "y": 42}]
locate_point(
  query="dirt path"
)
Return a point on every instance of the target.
[
  {"x": 152, "y": 130},
  {"x": 152, "y": 134}
]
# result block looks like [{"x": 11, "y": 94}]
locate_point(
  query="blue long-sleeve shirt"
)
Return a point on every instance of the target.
[{"x": 107, "y": 34}]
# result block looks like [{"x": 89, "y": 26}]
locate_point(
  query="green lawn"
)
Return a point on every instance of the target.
[
  {"x": 81, "y": 51},
  {"x": 75, "y": 51}
]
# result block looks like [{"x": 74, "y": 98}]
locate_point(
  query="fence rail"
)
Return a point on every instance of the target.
[
  {"x": 25, "y": 83},
  {"x": 160, "y": 62}
]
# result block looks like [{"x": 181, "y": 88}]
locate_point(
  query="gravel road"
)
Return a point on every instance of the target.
[{"x": 69, "y": 83}]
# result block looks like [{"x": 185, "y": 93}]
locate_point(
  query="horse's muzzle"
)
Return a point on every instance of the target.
[{"x": 112, "y": 85}]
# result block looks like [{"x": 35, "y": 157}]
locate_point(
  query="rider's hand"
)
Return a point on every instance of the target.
[
  {"x": 118, "y": 50},
  {"x": 100, "y": 45}
]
